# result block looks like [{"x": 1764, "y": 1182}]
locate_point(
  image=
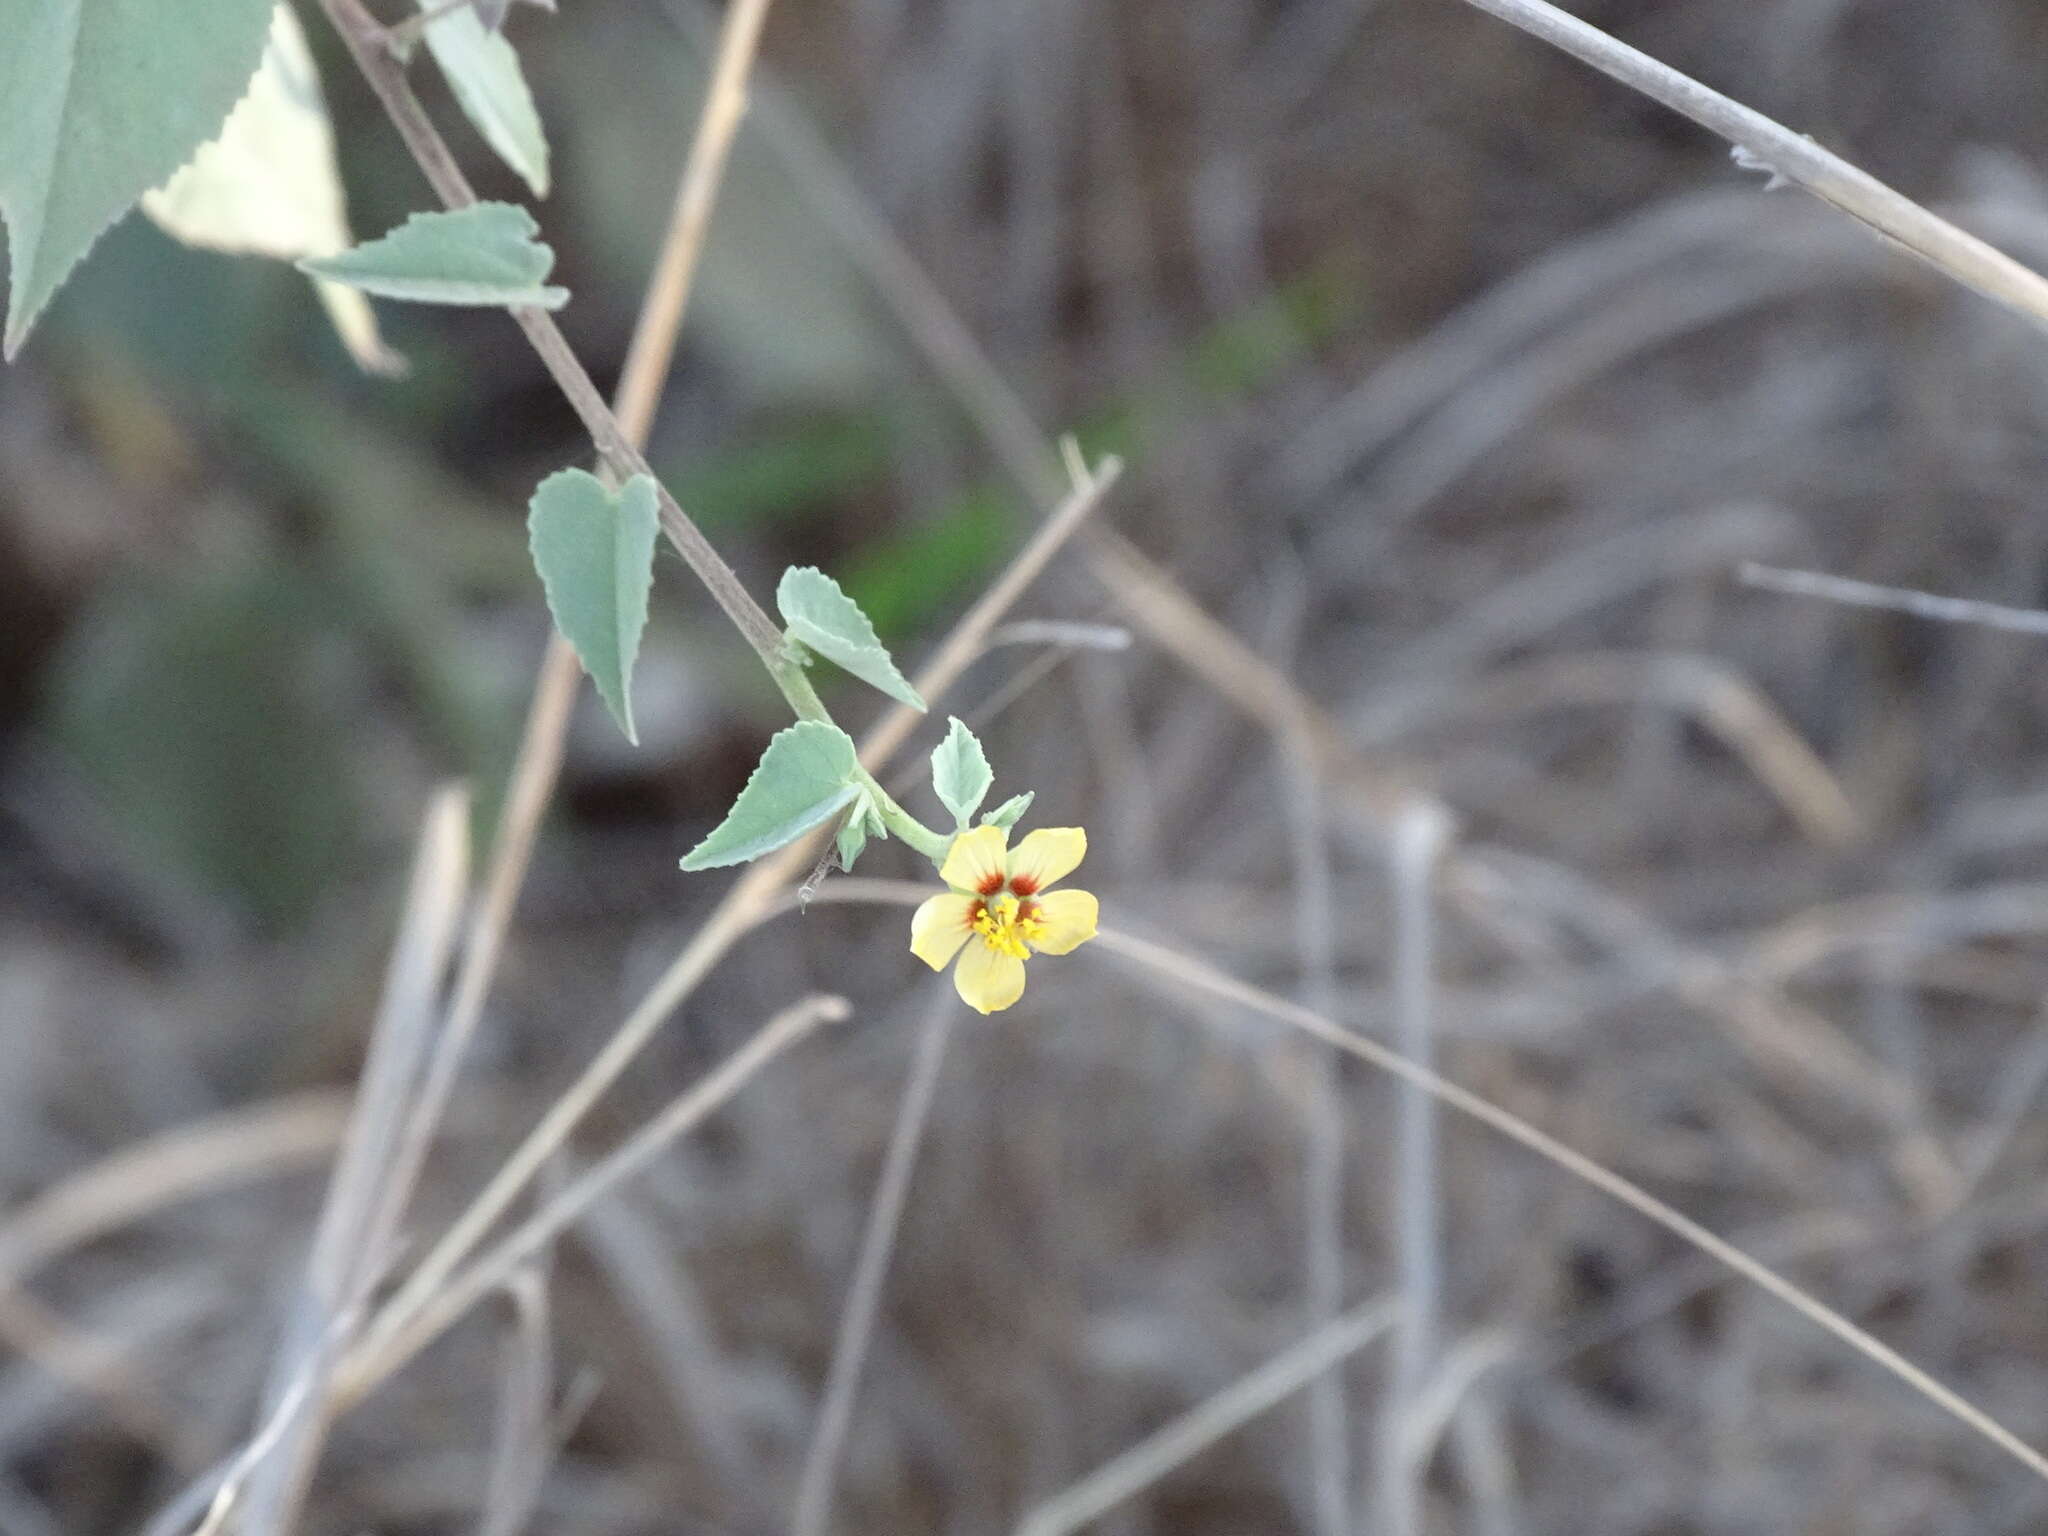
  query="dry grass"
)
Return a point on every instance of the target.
[{"x": 1446, "y": 722}]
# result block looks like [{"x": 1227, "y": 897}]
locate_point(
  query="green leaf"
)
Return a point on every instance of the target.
[
  {"x": 595, "y": 554},
  {"x": 268, "y": 185},
  {"x": 101, "y": 100},
  {"x": 1010, "y": 812},
  {"x": 829, "y": 622},
  {"x": 483, "y": 71},
  {"x": 862, "y": 822},
  {"x": 482, "y": 254},
  {"x": 853, "y": 833},
  {"x": 807, "y": 775},
  {"x": 960, "y": 773},
  {"x": 852, "y": 840}
]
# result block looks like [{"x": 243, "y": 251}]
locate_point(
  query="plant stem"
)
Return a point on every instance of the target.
[
  {"x": 364, "y": 36},
  {"x": 795, "y": 683},
  {"x": 932, "y": 845}
]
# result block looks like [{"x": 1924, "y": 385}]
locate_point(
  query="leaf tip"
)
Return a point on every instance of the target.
[{"x": 623, "y": 717}]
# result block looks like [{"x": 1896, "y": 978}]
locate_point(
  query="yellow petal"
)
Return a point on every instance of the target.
[
  {"x": 940, "y": 927},
  {"x": 1047, "y": 855},
  {"x": 987, "y": 979},
  {"x": 975, "y": 861},
  {"x": 1069, "y": 921}
]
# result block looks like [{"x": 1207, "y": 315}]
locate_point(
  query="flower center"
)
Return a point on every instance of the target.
[{"x": 1005, "y": 923}]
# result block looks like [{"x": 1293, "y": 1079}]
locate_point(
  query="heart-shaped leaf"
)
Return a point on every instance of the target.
[
  {"x": 100, "y": 100},
  {"x": 594, "y": 550},
  {"x": 483, "y": 254},
  {"x": 824, "y": 618},
  {"x": 807, "y": 776}
]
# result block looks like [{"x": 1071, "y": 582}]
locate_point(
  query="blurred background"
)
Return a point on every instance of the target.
[{"x": 1455, "y": 381}]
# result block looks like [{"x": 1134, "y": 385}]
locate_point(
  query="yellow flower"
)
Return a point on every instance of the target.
[{"x": 1000, "y": 902}]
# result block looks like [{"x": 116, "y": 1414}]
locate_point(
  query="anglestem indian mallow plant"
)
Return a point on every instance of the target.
[
  {"x": 593, "y": 546},
  {"x": 593, "y": 541}
]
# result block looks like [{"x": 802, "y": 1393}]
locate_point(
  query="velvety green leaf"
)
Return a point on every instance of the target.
[
  {"x": 100, "y": 100},
  {"x": 960, "y": 773},
  {"x": 483, "y": 254},
  {"x": 828, "y": 621},
  {"x": 863, "y": 821},
  {"x": 483, "y": 71},
  {"x": 807, "y": 776},
  {"x": 852, "y": 839},
  {"x": 1010, "y": 812},
  {"x": 595, "y": 553},
  {"x": 268, "y": 185},
  {"x": 853, "y": 833}
]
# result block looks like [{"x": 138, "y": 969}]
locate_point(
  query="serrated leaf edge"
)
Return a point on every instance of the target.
[
  {"x": 823, "y": 642},
  {"x": 790, "y": 830},
  {"x": 956, "y": 730},
  {"x": 620, "y": 709},
  {"x": 538, "y": 293}
]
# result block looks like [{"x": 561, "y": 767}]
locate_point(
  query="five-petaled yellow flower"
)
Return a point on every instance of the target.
[{"x": 999, "y": 911}]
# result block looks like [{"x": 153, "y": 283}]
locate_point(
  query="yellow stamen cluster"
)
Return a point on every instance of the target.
[{"x": 1005, "y": 924}]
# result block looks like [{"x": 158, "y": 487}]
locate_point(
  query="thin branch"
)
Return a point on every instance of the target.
[
  {"x": 1921, "y": 605},
  {"x": 1773, "y": 147}
]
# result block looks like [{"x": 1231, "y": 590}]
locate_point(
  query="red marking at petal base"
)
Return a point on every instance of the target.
[
  {"x": 991, "y": 885},
  {"x": 1023, "y": 885}
]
